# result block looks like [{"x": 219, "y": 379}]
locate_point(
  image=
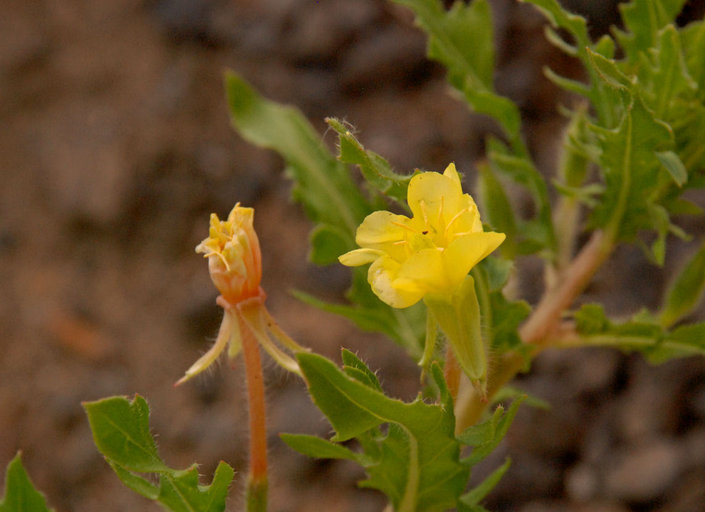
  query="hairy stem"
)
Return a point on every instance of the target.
[{"x": 256, "y": 496}]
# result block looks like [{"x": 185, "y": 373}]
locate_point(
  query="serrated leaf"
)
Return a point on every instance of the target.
[
  {"x": 643, "y": 19},
  {"x": 416, "y": 463},
  {"x": 321, "y": 183},
  {"x": 20, "y": 493},
  {"x": 316, "y": 447},
  {"x": 121, "y": 433},
  {"x": 631, "y": 172},
  {"x": 686, "y": 291},
  {"x": 181, "y": 492},
  {"x": 461, "y": 39},
  {"x": 355, "y": 368},
  {"x": 484, "y": 437},
  {"x": 375, "y": 169}
]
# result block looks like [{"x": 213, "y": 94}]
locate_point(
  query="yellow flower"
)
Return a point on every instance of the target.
[
  {"x": 234, "y": 257},
  {"x": 430, "y": 253},
  {"x": 235, "y": 267}
]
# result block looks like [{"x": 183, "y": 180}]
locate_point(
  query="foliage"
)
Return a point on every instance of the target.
[
  {"x": 20, "y": 494},
  {"x": 632, "y": 147},
  {"x": 121, "y": 433}
]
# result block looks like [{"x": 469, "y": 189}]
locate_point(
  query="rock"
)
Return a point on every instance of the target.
[{"x": 645, "y": 473}]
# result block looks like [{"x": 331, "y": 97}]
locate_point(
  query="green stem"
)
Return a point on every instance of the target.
[{"x": 256, "y": 495}]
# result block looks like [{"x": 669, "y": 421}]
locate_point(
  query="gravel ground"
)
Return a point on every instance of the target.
[{"x": 115, "y": 146}]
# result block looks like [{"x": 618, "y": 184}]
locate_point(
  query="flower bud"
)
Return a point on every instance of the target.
[{"x": 234, "y": 258}]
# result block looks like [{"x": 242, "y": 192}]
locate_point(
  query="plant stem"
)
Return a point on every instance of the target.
[
  {"x": 571, "y": 283},
  {"x": 256, "y": 495}
]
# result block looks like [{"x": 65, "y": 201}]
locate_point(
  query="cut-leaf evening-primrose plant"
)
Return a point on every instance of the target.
[{"x": 431, "y": 267}]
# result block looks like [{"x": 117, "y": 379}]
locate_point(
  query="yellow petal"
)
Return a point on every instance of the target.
[
  {"x": 398, "y": 293},
  {"x": 435, "y": 198},
  {"x": 425, "y": 267},
  {"x": 359, "y": 257},
  {"x": 381, "y": 227},
  {"x": 467, "y": 251}
]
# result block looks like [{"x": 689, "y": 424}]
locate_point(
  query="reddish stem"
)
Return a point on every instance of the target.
[{"x": 255, "y": 400}]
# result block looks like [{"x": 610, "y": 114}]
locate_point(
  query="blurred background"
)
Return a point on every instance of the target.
[{"x": 115, "y": 146}]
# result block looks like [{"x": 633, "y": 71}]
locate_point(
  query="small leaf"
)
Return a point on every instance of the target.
[
  {"x": 686, "y": 291},
  {"x": 476, "y": 495},
  {"x": 484, "y": 437},
  {"x": 121, "y": 433},
  {"x": 20, "y": 493},
  {"x": 362, "y": 372},
  {"x": 375, "y": 169},
  {"x": 672, "y": 163},
  {"x": 313, "y": 446},
  {"x": 591, "y": 319},
  {"x": 181, "y": 491}
]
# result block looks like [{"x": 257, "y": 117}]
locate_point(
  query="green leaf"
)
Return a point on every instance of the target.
[
  {"x": 484, "y": 437},
  {"x": 375, "y": 169},
  {"x": 462, "y": 40},
  {"x": 643, "y": 19},
  {"x": 121, "y": 433},
  {"x": 473, "y": 498},
  {"x": 402, "y": 326},
  {"x": 536, "y": 234},
  {"x": 321, "y": 183},
  {"x": 181, "y": 492},
  {"x": 672, "y": 163},
  {"x": 355, "y": 368},
  {"x": 416, "y": 462},
  {"x": 313, "y": 446},
  {"x": 496, "y": 208},
  {"x": 20, "y": 493},
  {"x": 643, "y": 333},
  {"x": 686, "y": 291},
  {"x": 631, "y": 173}
]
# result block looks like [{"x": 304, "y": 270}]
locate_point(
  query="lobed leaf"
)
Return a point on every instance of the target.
[
  {"x": 462, "y": 40},
  {"x": 375, "y": 169},
  {"x": 415, "y": 462},
  {"x": 121, "y": 433}
]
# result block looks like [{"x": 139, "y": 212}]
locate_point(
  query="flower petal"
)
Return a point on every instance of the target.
[
  {"x": 359, "y": 257},
  {"x": 467, "y": 251},
  {"x": 381, "y": 227},
  {"x": 435, "y": 198},
  {"x": 425, "y": 267},
  {"x": 398, "y": 293}
]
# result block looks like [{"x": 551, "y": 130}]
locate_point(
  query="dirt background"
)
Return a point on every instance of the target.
[{"x": 115, "y": 146}]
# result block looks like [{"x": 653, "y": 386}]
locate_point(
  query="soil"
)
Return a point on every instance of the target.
[{"x": 115, "y": 146}]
